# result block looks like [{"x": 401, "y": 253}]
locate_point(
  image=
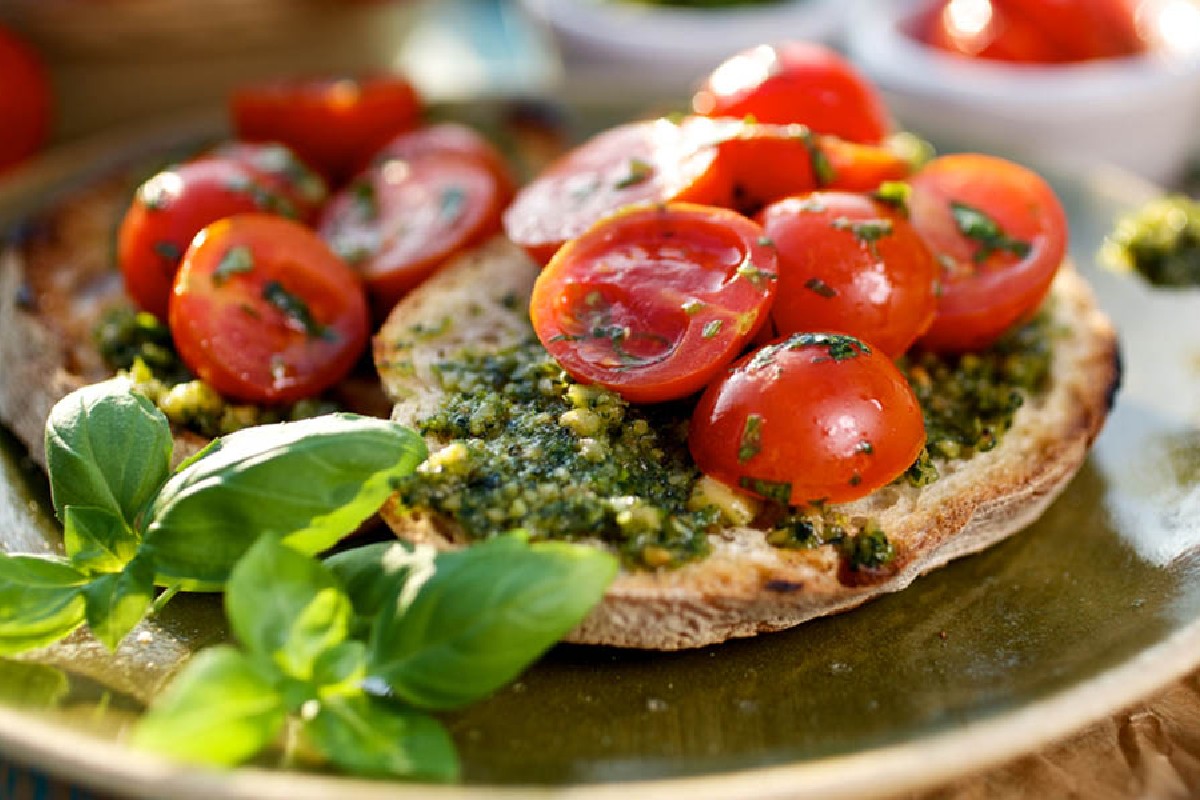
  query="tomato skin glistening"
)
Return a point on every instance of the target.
[
  {"x": 264, "y": 312},
  {"x": 796, "y": 82},
  {"x": 851, "y": 264},
  {"x": 654, "y": 301},
  {"x": 812, "y": 418},
  {"x": 999, "y": 233}
]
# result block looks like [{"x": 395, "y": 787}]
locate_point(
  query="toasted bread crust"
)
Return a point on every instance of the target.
[{"x": 745, "y": 586}]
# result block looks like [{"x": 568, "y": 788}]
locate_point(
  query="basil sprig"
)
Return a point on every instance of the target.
[
  {"x": 130, "y": 524},
  {"x": 352, "y": 653}
]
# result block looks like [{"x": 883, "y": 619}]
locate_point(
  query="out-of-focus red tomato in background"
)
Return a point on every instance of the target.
[
  {"x": 25, "y": 105},
  {"x": 1032, "y": 31}
]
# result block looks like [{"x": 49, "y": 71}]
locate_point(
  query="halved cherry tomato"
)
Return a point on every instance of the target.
[
  {"x": 852, "y": 265},
  {"x": 814, "y": 417},
  {"x": 769, "y": 162},
  {"x": 264, "y": 312},
  {"x": 278, "y": 168},
  {"x": 335, "y": 124},
  {"x": 24, "y": 101},
  {"x": 655, "y": 300},
  {"x": 998, "y": 232},
  {"x": 451, "y": 138},
  {"x": 399, "y": 221},
  {"x": 652, "y": 161},
  {"x": 796, "y": 82},
  {"x": 171, "y": 208}
]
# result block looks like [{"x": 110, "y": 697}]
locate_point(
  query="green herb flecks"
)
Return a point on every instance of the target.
[
  {"x": 823, "y": 171},
  {"x": 895, "y": 194},
  {"x": 693, "y": 307},
  {"x": 820, "y": 287},
  {"x": 775, "y": 491},
  {"x": 712, "y": 328},
  {"x": 757, "y": 276},
  {"x": 168, "y": 251},
  {"x": 868, "y": 231},
  {"x": 975, "y": 224},
  {"x": 296, "y": 311},
  {"x": 750, "y": 444},
  {"x": 838, "y": 346},
  {"x": 1161, "y": 242},
  {"x": 236, "y": 261},
  {"x": 638, "y": 172},
  {"x": 366, "y": 201}
]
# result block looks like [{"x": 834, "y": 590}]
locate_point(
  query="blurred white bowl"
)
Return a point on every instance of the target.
[
  {"x": 1141, "y": 113},
  {"x": 634, "y": 48}
]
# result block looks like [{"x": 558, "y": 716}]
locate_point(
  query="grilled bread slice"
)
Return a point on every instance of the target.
[{"x": 746, "y": 586}]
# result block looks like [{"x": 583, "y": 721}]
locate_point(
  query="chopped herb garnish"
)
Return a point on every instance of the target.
[
  {"x": 975, "y": 224},
  {"x": 451, "y": 203},
  {"x": 823, "y": 170},
  {"x": 168, "y": 250},
  {"x": 712, "y": 329},
  {"x": 778, "y": 491},
  {"x": 753, "y": 274},
  {"x": 296, "y": 310},
  {"x": 237, "y": 260},
  {"x": 818, "y": 286},
  {"x": 639, "y": 172},
  {"x": 840, "y": 347},
  {"x": 894, "y": 194},
  {"x": 693, "y": 307},
  {"x": 865, "y": 447},
  {"x": 365, "y": 199},
  {"x": 751, "y": 442},
  {"x": 868, "y": 549},
  {"x": 867, "y": 231},
  {"x": 766, "y": 241}
]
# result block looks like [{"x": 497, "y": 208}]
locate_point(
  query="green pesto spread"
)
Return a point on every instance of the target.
[
  {"x": 139, "y": 346},
  {"x": 531, "y": 448},
  {"x": 1161, "y": 242}
]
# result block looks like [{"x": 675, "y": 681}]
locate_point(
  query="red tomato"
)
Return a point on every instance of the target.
[
  {"x": 454, "y": 139},
  {"x": 769, "y": 162},
  {"x": 335, "y": 124},
  {"x": 24, "y": 101},
  {"x": 654, "y": 301},
  {"x": 264, "y": 312},
  {"x": 278, "y": 168},
  {"x": 814, "y": 417},
  {"x": 399, "y": 221},
  {"x": 999, "y": 233},
  {"x": 653, "y": 161},
  {"x": 852, "y": 265},
  {"x": 796, "y": 82},
  {"x": 171, "y": 208}
]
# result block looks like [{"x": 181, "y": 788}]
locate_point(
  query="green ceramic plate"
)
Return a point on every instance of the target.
[{"x": 1092, "y": 608}]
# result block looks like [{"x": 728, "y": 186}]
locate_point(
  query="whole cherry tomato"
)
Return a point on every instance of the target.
[
  {"x": 171, "y": 208},
  {"x": 24, "y": 101},
  {"x": 335, "y": 124},
  {"x": 653, "y": 161},
  {"x": 264, "y": 312},
  {"x": 852, "y": 265},
  {"x": 999, "y": 234},
  {"x": 655, "y": 300},
  {"x": 397, "y": 222},
  {"x": 278, "y": 168},
  {"x": 814, "y": 417},
  {"x": 796, "y": 82}
]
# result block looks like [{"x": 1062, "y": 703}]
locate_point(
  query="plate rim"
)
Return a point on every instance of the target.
[{"x": 927, "y": 761}]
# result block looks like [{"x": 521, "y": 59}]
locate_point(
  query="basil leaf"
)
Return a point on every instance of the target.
[
  {"x": 97, "y": 540},
  {"x": 107, "y": 447},
  {"x": 41, "y": 601},
  {"x": 374, "y": 576},
  {"x": 118, "y": 601},
  {"x": 28, "y": 685},
  {"x": 483, "y": 617},
  {"x": 221, "y": 710},
  {"x": 285, "y": 607},
  {"x": 312, "y": 482},
  {"x": 341, "y": 668},
  {"x": 364, "y": 736}
]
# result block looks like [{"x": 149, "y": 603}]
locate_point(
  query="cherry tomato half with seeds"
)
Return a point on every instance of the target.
[
  {"x": 852, "y": 265},
  {"x": 655, "y": 300},
  {"x": 656, "y": 161},
  {"x": 796, "y": 82},
  {"x": 397, "y": 222},
  {"x": 25, "y": 101},
  {"x": 171, "y": 208},
  {"x": 278, "y": 168},
  {"x": 814, "y": 417},
  {"x": 334, "y": 124},
  {"x": 453, "y": 139},
  {"x": 999, "y": 235},
  {"x": 264, "y": 312}
]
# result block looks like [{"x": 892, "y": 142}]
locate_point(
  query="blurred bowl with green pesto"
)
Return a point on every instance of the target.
[{"x": 636, "y": 48}]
